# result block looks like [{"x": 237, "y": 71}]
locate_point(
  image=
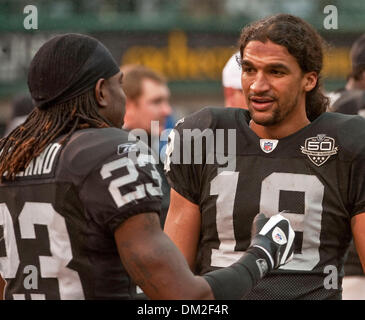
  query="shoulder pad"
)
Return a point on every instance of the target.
[{"x": 88, "y": 148}]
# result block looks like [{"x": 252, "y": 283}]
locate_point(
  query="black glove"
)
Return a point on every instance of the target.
[
  {"x": 272, "y": 240},
  {"x": 271, "y": 246}
]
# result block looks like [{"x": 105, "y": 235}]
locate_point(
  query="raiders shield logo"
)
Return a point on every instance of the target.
[{"x": 319, "y": 149}]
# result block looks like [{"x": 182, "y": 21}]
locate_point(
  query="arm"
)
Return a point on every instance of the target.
[
  {"x": 154, "y": 262},
  {"x": 157, "y": 266},
  {"x": 358, "y": 231},
  {"x": 183, "y": 226}
]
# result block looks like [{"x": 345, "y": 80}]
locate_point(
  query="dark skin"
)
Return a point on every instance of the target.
[
  {"x": 2, "y": 286},
  {"x": 155, "y": 263},
  {"x": 111, "y": 99}
]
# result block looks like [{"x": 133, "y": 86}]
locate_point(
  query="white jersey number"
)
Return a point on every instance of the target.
[
  {"x": 132, "y": 176},
  {"x": 54, "y": 266},
  {"x": 225, "y": 186}
]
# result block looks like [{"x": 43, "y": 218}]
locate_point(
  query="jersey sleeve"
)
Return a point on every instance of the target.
[
  {"x": 123, "y": 185},
  {"x": 353, "y": 143},
  {"x": 186, "y": 154}
]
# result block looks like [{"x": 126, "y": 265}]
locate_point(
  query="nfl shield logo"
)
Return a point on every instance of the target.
[{"x": 268, "y": 145}]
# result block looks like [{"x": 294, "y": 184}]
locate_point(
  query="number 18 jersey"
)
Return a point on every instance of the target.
[{"x": 316, "y": 176}]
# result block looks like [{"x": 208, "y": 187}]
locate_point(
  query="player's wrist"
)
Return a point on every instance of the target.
[
  {"x": 262, "y": 247},
  {"x": 264, "y": 260},
  {"x": 235, "y": 281}
]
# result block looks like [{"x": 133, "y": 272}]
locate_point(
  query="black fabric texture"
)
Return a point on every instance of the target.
[{"x": 234, "y": 282}]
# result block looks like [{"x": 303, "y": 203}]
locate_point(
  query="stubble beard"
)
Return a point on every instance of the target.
[{"x": 277, "y": 115}]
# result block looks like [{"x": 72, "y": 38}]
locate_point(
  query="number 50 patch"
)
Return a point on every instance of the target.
[{"x": 319, "y": 149}]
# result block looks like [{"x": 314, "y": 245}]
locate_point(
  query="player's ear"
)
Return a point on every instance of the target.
[
  {"x": 100, "y": 92},
  {"x": 310, "y": 80}
]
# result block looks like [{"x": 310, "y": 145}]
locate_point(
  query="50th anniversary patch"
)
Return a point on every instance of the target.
[{"x": 319, "y": 149}]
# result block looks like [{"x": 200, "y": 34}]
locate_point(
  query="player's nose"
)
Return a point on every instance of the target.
[{"x": 260, "y": 83}]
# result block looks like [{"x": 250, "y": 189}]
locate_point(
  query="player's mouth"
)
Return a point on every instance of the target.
[{"x": 261, "y": 103}]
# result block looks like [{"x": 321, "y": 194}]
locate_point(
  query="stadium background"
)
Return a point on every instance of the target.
[{"x": 188, "y": 41}]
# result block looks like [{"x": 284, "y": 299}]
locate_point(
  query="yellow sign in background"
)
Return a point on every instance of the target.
[{"x": 180, "y": 62}]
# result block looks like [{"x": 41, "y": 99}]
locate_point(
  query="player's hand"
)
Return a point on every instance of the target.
[{"x": 272, "y": 239}]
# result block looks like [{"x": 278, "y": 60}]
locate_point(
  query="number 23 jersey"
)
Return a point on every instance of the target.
[
  {"x": 315, "y": 175},
  {"x": 59, "y": 216}
]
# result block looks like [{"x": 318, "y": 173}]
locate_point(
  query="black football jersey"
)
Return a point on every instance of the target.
[
  {"x": 315, "y": 175},
  {"x": 58, "y": 218}
]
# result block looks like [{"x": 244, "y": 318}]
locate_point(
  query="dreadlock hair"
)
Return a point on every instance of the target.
[
  {"x": 302, "y": 42},
  {"x": 43, "y": 126}
]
